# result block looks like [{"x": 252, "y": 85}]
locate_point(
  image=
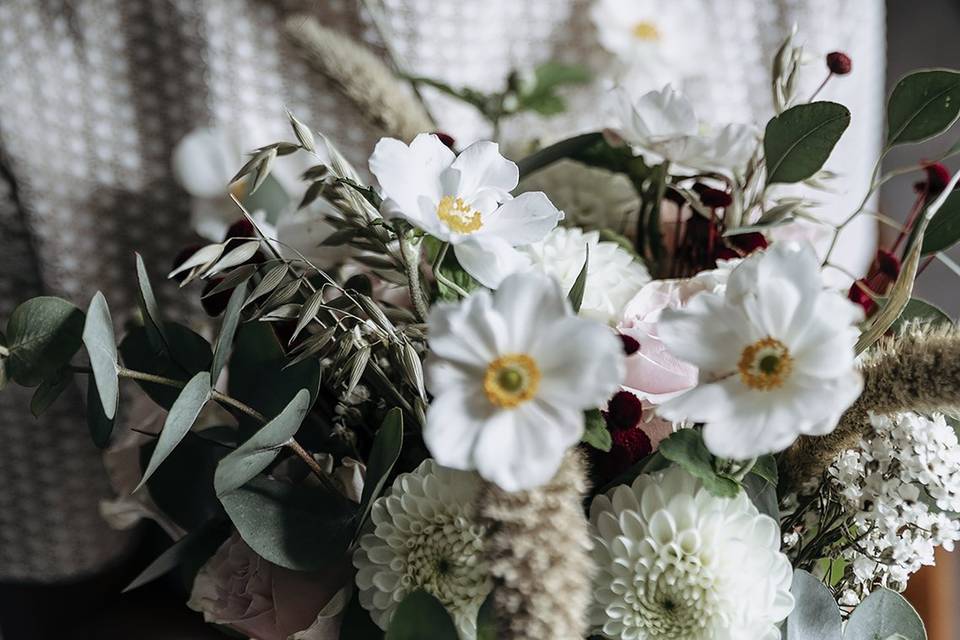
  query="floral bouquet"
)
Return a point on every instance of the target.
[{"x": 436, "y": 406}]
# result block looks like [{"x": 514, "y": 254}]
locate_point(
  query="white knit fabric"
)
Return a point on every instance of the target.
[{"x": 95, "y": 93}]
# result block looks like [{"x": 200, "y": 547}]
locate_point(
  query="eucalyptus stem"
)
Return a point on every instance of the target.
[
  {"x": 563, "y": 149},
  {"x": 304, "y": 455}
]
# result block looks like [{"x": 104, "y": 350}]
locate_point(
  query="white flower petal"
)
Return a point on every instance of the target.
[
  {"x": 482, "y": 169},
  {"x": 530, "y": 304},
  {"x": 455, "y": 420},
  {"x": 525, "y": 219},
  {"x": 489, "y": 259},
  {"x": 574, "y": 356},
  {"x": 470, "y": 334},
  {"x": 408, "y": 173}
]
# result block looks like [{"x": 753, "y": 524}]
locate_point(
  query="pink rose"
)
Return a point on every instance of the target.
[{"x": 238, "y": 588}]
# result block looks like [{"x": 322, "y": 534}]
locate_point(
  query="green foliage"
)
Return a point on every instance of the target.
[
  {"x": 943, "y": 231},
  {"x": 798, "y": 141},
  {"x": 99, "y": 424},
  {"x": 595, "y": 432},
  {"x": 686, "y": 449},
  {"x": 924, "y": 104},
  {"x": 883, "y": 614},
  {"x": 766, "y": 468},
  {"x": 183, "y": 414},
  {"x": 816, "y": 615},
  {"x": 580, "y": 284},
  {"x": 421, "y": 616},
  {"x": 383, "y": 456},
  {"x": 921, "y": 311},
  {"x": 147, "y": 302},
  {"x": 42, "y": 336},
  {"x": 541, "y": 95},
  {"x": 102, "y": 349},
  {"x": 196, "y": 546},
  {"x": 186, "y": 353},
  {"x": 228, "y": 329},
  {"x": 486, "y": 620},
  {"x": 48, "y": 391}
]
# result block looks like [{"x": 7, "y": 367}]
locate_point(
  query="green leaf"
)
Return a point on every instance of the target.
[
  {"x": 580, "y": 284},
  {"x": 383, "y": 456},
  {"x": 924, "y": 104},
  {"x": 152, "y": 320},
  {"x": 884, "y": 613},
  {"x": 486, "y": 620},
  {"x": 99, "y": 425},
  {"x": 541, "y": 96},
  {"x": 766, "y": 468},
  {"x": 298, "y": 527},
  {"x": 200, "y": 544},
  {"x": 180, "y": 419},
  {"x": 102, "y": 348},
  {"x": 254, "y": 455},
  {"x": 188, "y": 354},
  {"x": 4, "y": 352},
  {"x": 763, "y": 495},
  {"x": 921, "y": 311},
  {"x": 231, "y": 320},
  {"x": 595, "y": 432},
  {"x": 944, "y": 229},
  {"x": 42, "y": 335},
  {"x": 421, "y": 616},
  {"x": 816, "y": 615},
  {"x": 48, "y": 392},
  {"x": 798, "y": 141},
  {"x": 686, "y": 448}
]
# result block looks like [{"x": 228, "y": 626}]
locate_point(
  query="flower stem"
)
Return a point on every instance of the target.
[
  {"x": 411, "y": 263},
  {"x": 563, "y": 149}
]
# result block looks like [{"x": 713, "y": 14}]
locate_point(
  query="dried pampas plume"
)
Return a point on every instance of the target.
[
  {"x": 538, "y": 549},
  {"x": 379, "y": 96},
  {"x": 918, "y": 370}
]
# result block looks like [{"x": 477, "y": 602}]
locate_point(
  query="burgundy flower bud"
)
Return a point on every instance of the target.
[
  {"x": 185, "y": 253},
  {"x": 715, "y": 198},
  {"x": 858, "y": 295},
  {"x": 886, "y": 264},
  {"x": 839, "y": 63},
  {"x": 624, "y": 411},
  {"x": 446, "y": 139},
  {"x": 938, "y": 177},
  {"x": 675, "y": 197},
  {"x": 216, "y": 304},
  {"x": 630, "y": 344},
  {"x": 741, "y": 245},
  {"x": 242, "y": 228}
]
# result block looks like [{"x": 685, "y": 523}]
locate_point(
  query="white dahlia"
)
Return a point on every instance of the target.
[
  {"x": 425, "y": 536},
  {"x": 613, "y": 276},
  {"x": 678, "y": 562}
]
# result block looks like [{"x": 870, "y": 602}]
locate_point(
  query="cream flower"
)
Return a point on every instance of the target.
[
  {"x": 464, "y": 200},
  {"x": 613, "y": 276},
  {"x": 663, "y": 125},
  {"x": 676, "y": 561},
  {"x": 425, "y": 536},
  {"x": 775, "y": 352},
  {"x": 511, "y": 374}
]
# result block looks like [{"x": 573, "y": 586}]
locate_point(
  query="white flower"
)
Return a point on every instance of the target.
[
  {"x": 642, "y": 32},
  {"x": 613, "y": 276},
  {"x": 663, "y": 125},
  {"x": 425, "y": 537},
  {"x": 464, "y": 200},
  {"x": 775, "y": 354},
  {"x": 676, "y": 561},
  {"x": 590, "y": 197},
  {"x": 511, "y": 374}
]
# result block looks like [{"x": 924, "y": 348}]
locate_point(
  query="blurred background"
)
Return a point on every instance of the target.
[{"x": 94, "y": 96}]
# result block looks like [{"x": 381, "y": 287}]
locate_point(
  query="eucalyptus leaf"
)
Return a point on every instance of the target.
[
  {"x": 766, "y": 468},
  {"x": 421, "y": 616},
  {"x": 183, "y": 414},
  {"x": 152, "y": 319},
  {"x": 188, "y": 353},
  {"x": 595, "y": 432},
  {"x": 231, "y": 320},
  {"x": 99, "y": 424},
  {"x": 42, "y": 335},
  {"x": 198, "y": 544},
  {"x": 254, "y": 455},
  {"x": 383, "y": 456},
  {"x": 102, "y": 348},
  {"x": 920, "y": 311},
  {"x": 763, "y": 495},
  {"x": 798, "y": 142},
  {"x": 922, "y": 105},
  {"x": 580, "y": 284},
  {"x": 944, "y": 229},
  {"x": 686, "y": 448},
  {"x": 48, "y": 392},
  {"x": 882, "y": 614},
  {"x": 815, "y": 615}
]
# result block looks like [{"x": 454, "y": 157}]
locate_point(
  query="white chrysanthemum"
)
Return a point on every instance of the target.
[
  {"x": 613, "y": 276},
  {"x": 663, "y": 125},
  {"x": 464, "y": 200},
  {"x": 425, "y": 537},
  {"x": 511, "y": 374},
  {"x": 775, "y": 352},
  {"x": 676, "y": 561},
  {"x": 590, "y": 197}
]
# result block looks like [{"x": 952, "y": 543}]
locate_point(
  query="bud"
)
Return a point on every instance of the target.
[
  {"x": 741, "y": 245},
  {"x": 839, "y": 63},
  {"x": 630, "y": 344},
  {"x": 624, "y": 411},
  {"x": 938, "y": 177},
  {"x": 446, "y": 139}
]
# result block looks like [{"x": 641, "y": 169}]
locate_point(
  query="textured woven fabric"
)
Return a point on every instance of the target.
[{"x": 95, "y": 94}]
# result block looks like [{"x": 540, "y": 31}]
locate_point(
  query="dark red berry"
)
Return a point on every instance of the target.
[
  {"x": 715, "y": 198},
  {"x": 242, "y": 228},
  {"x": 858, "y": 295},
  {"x": 446, "y": 139},
  {"x": 887, "y": 264},
  {"x": 741, "y": 245},
  {"x": 938, "y": 177},
  {"x": 630, "y": 344},
  {"x": 839, "y": 63},
  {"x": 624, "y": 411}
]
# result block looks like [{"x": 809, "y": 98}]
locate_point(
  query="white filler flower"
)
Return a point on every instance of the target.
[
  {"x": 425, "y": 537},
  {"x": 676, "y": 561},
  {"x": 457, "y": 199},
  {"x": 613, "y": 276},
  {"x": 512, "y": 373},
  {"x": 663, "y": 125},
  {"x": 775, "y": 352}
]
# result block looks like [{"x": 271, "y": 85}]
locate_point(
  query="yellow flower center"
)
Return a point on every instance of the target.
[
  {"x": 765, "y": 364},
  {"x": 646, "y": 30},
  {"x": 511, "y": 380},
  {"x": 458, "y": 215}
]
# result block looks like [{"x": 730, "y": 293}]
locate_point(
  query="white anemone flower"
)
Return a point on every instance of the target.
[
  {"x": 464, "y": 200},
  {"x": 424, "y": 535},
  {"x": 613, "y": 276},
  {"x": 512, "y": 373},
  {"x": 775, "y": 352},
  {"x": 663, "y": 125},
  {"x": 675, "y": 561}
]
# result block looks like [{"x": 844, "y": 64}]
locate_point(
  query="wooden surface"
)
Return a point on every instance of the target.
[{"x": 933, "y": 591}]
